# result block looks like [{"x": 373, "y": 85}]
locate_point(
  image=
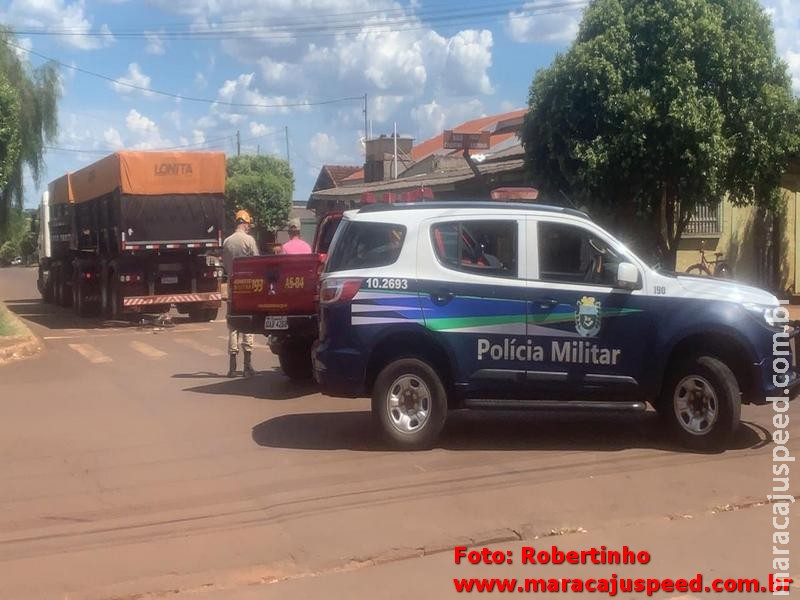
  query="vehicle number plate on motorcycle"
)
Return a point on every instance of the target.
[{"x": 276, "y": 323}]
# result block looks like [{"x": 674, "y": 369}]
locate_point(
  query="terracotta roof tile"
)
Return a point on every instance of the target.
[
  {"x": 338, "y": 173},
  {"x": 436, "y": 143}
]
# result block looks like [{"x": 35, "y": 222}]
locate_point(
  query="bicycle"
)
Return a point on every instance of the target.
[{"x": 704, "y": 268}]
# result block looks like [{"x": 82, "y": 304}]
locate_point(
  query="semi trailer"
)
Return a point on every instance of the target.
[{"x": 135, "y": 232}]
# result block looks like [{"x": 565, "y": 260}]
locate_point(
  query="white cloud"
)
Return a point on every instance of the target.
[
  {"x": 200, "y": 81},
  {"x": 793, "y": 60},
  {"x": 243, "y": 91},
  {"x": 24, "y": 43},
  {"x": 382, "y": 108},
  {"x": 146, "y": 133},
  {"x": 198, "y": 137},
  {"x": 432, "y": 118},
  {"x": 553, "y": 28},
  {"x": 134, "y": 77},
  {"x": 155, "y": 45},
  {"x": 113, "y": 138},
  {"x": 260, "y": 129},
  {"x": 391, "y": 51},
  {"x": 57, "y": 14},
  {"x": 138, "y": 123},
  {"x": 323, "y": 147},
  {"x": 786, "y": 20},
  {"x": 469, "y": 56}
]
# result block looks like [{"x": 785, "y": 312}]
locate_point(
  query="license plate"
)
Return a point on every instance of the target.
[
  {"x": 171, "y": 279},
  {"x": 276, "y": 323}
]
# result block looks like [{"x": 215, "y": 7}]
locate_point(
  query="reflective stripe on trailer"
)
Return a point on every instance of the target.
[{"x": 171, "y": 299}]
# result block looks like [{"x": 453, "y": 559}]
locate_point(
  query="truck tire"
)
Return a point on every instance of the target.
[
  {"x": 62, "y": 290},
  {"x": 81, "y": 306},
  {"x": 701, "y": 403},
  {"x": 46, "y": 288},
  {"x": 409, "y": 404},
  {"x": 203, "y": 315},
  {"x": 295, "y": 360},
  {"x": 111, "y": 298}
]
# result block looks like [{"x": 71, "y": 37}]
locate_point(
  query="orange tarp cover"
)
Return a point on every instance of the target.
[
  {"x": 60, "y": 191},
  {"x": 151, "y": 174}
]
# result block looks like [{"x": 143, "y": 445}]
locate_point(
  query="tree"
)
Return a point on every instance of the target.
[
  {"x": 9, "y": 250},
  {"x": 9, "y": 133},
  {"x": 37, "y": 91},
  {"x": 661, "y": 106},
  {"x": 262, "y": 185}
]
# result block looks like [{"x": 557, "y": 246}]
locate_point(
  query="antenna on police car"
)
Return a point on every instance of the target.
[{"x": 568, "y": 199}]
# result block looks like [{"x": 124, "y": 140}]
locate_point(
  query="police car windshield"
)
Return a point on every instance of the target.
[{"x": 365, "y": 245}]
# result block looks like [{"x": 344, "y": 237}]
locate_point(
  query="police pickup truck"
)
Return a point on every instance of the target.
[{"x": 430, "y": 307}]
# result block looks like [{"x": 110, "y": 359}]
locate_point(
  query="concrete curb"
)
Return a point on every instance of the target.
[{"x": 24, "y": 345}]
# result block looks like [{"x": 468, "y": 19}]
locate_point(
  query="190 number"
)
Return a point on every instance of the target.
[{"x": 387, "y": 283}]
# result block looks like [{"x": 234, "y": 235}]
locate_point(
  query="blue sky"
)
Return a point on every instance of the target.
[{"x": 425, "y": 64}]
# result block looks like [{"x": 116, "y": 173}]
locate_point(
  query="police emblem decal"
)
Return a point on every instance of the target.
[{"x": 587, "y": 317}]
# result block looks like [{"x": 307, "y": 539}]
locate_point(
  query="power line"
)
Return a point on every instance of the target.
[
  {"x": 410, "y": 22},
  {"x": 180, "y": 96},
  {"x": 324, "y": 22},
  {"x": 211, "y": 141},
  {"x": 328, "y": 16}
]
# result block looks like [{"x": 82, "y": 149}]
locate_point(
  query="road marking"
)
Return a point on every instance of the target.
[
  {"x": 147, "y": 350},
  {"x": 117, "y": 331},
  {"x": 189, "y": 343},
  {"x": 90, "y": 353}
]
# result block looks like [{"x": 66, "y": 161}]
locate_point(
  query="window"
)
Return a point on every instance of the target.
[
  {"x": 572, "y": 254},
  {"x": 360, "y": 245},
  {"x": 482, "y": 247},
  {"x": 705, "y": 220}
]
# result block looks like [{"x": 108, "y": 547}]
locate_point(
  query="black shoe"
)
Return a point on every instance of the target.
[
  {"x": 232, "y": 367},
  {"x": 248, "y": 366}
]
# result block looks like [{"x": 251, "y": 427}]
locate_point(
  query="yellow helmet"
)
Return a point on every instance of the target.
[{"x": 243, "y": 216}]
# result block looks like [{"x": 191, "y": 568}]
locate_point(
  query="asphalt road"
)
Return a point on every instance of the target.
[{"x": 131, "y": 468}]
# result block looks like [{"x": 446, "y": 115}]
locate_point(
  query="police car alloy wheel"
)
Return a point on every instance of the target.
[
  {"x": 409, "y": 403},
  {"x": 701, "y": 401}
]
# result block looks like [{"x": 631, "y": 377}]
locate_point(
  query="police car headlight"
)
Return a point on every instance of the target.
[{"x": 764, "y": 312}]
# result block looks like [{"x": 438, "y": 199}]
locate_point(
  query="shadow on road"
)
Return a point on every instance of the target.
[
  {"x": 266, "y": 385},
  {"x": 55, "y": 317},
  {"x": 475, "y": 430}
]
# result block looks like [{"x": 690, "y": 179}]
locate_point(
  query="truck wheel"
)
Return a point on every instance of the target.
[
  {"x": 295, "y": 361},
  {"x": 203, "y": 315},
  {"x": 409, "y": 404},
  {"x": 81, "y": 306},
  {"x": 111, "y": 298},
  {"x": 701, "y": 403},
  {"x": 63, "y": 295},
  {"x": 47, "y": 290}
]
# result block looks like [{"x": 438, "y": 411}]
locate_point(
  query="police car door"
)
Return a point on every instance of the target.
[
  {"x": 589, "y": 334},
  {"x": 472, "y": 294}
]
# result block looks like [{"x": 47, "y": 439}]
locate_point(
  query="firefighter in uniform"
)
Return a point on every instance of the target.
[{"x": 238, "y": 245}]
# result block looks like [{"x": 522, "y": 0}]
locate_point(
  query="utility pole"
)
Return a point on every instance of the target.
[
  {"x": 288, "y": 156},
  {"x": 395, "y": 150},
  {"x": 238, "y": 144},
  {"x": 366, "y": 120},
  {"x": 258, "y": 149}
]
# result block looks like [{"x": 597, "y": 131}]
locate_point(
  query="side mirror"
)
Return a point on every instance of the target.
[{"x": 627, "y": 276}]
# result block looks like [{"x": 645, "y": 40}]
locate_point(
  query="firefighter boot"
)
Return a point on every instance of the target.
[
  {"x": 232, "y": 367},
  {"x": 248, "y": 365}
]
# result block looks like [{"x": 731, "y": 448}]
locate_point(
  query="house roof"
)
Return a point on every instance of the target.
[
  {"x": 334, "y": 175},
  {"x": 435, "y": 145},
  {"x": 442, "y": 177},
  {"x": 340, "y": 172}
]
